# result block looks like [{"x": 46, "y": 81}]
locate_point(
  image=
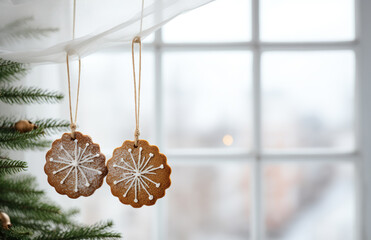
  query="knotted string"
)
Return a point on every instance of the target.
[
  {"x": 137, "y": 91},
  {"x": 72, "y": 119}
]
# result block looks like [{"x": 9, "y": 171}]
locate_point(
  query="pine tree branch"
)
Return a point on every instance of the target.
[
  {"x": 21, "y": 185},
  {"x": 7, "y": 124},
  {"x": 9, "y": 166},
  {"x": 48, "y": 219},
  {"x": 26, "y": 32},
  {"x": 27, "y": 95},
  {"x": 31, "y": 224},
  {"x": 18, "y": 136},
  {"x": 20, "y": 198},
  {"x": 27, "y": 144},
  {"x": 72, "y": 212},
  {"x": 97, "y": 231},
  {"x": 49, "y": 125},
  {"x": 52, "y": 125},
  {"x": 16, "y": 233},
  {"x": 21, "y": 29},
  {"x": 27, "y": 204},
  {"x": 16, "y": 23},
  {"x": 33, "y": 218},
  {"x": 32, "y": 208},
  {"x": 11, "y": 71},
  {"x": 19, "y": 141}
]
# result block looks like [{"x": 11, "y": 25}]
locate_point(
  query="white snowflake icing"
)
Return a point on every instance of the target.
[
  {"x": 135, "y": 175},
  {"x": 75, "y": 161}
]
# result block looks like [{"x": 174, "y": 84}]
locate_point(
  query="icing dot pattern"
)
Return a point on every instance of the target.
[
  {"x": 75, "y": 167},
  {"x": 75, "y": 161},
  {"x": 138, "y": 176}
]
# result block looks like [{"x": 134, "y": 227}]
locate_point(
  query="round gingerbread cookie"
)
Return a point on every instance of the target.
[
  {"x": 75, "y": 167},
  {"x": 138, "y": 175}
]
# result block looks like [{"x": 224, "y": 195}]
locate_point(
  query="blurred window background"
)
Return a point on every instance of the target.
[{"x": 254, "y": 103}]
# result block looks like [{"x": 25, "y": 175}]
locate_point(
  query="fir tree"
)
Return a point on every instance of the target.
[{"x": 32, "y": 215}]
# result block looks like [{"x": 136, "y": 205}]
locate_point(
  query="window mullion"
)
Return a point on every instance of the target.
[
  {"x": 257, "y": 164},
  {"x": 257, "y": 208},
  {"x": 160, "y": 219}
]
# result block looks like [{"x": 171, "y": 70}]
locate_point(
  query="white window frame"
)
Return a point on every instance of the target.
[
  {"x": 363, "y": 18},
  {"x": 361, "y": 46}
]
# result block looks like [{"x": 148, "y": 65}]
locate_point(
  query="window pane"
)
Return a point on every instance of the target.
[
  {"x": 210, "y": 202},
  {"x": 222, "y": 20},
  {"x": 107, "y": 99},
  {"x": 308, "y": 100},
  {"x": 207, "y": 99},
  {"x": 309, "y": 201},
  {"x": 132, "y": 223},
  {"x": 307, "y": 20}
]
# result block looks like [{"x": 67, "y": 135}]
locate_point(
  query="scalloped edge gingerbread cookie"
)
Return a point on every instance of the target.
[
  {"x": 75, "y": 176},
  {"x": 138, "y": 175}
]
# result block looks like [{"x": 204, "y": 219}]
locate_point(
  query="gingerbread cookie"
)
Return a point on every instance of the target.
[
  {"x": 75, "y": 167},
  {"x": 138, "y": 175}
]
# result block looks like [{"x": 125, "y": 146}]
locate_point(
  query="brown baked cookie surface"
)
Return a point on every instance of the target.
[
  {"x": 75, "y": 167},
  {"x": 138, "y": 175}
]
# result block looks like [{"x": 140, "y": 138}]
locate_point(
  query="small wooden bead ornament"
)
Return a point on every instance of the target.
[
  {"x": 24, "y": 126},
  {"x": 138, "y": 173},
  {"x": 5, "y": 221},
  {"x": 74, "y": 165}
]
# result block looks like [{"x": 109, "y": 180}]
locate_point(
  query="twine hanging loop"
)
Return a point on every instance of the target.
[
  {"x": 138, "y": 41},
  {"x": 73, "y": 120}
]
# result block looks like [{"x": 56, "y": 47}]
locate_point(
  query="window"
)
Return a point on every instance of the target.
[{"x": 256, "y": 105}]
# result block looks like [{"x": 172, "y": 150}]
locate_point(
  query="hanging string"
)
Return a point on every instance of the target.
[
  {"x": 73, "y": 120},
  {"x": 141, "y": 18},
  {"x": 137, "y": 92},
  {"x": 74, "y": 19},
  {"x": 138, "y": 41}
]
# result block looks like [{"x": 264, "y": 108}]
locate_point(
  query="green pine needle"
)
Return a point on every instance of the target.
[
  {"x": 16, "y": 233},
  {"x": 16, "y": 23},
  {"x": 25, "y": 144},
  {"x": 8, "y": 166},
  {"x": 19, "y": 141},
  {"x": 20, "y": 198},
  {"x": 11, "y": 71},
  {"x": 21, "y": 29},
  {"x": 7, "y": 122},
  {"x": 49, "y": 125},
  {"x": 28, "y": 205},
  {"x": 33, "y": 217},
  {"x": 96, "y": 231},
  {"x": 20, "y": 185},
  {"x": 18, "y": 136},
  {"x": 72, "y": 212},
  {"x": 27, "y": 95}
]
